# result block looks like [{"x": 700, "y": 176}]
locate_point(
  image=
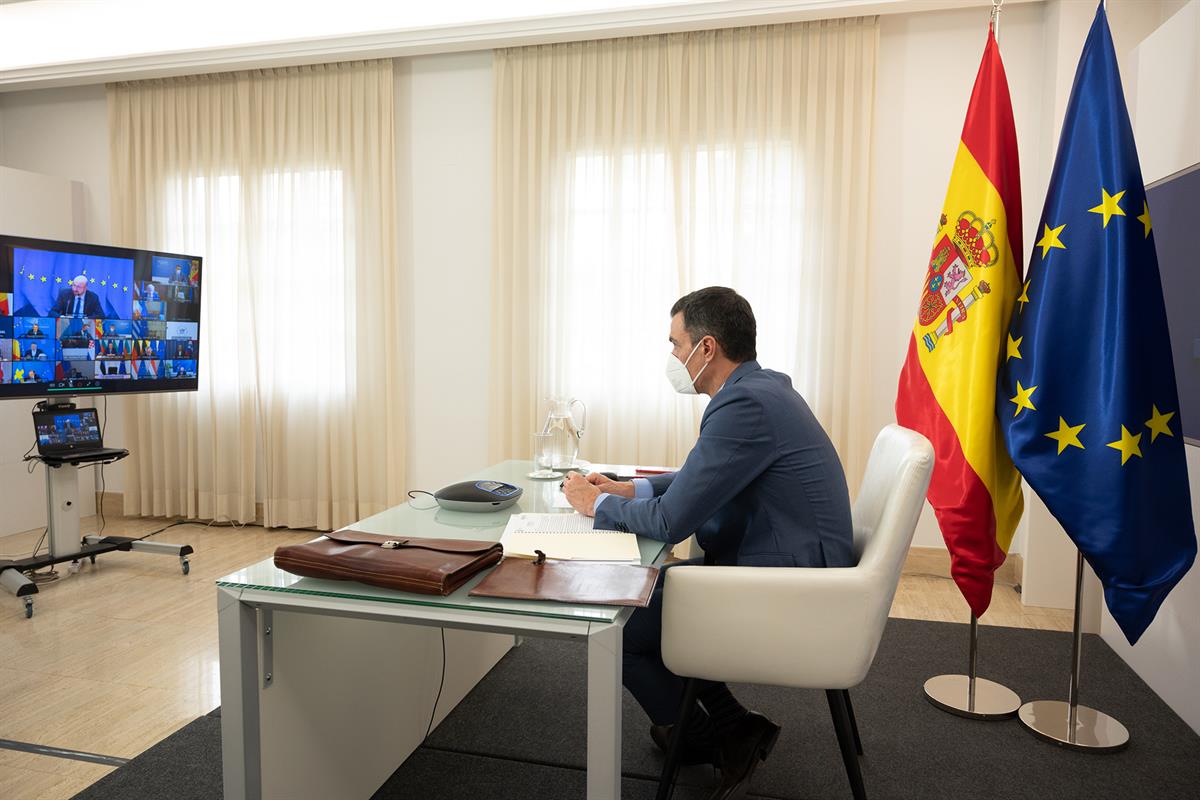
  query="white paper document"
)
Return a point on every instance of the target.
[{"x": 566, "y": 536}]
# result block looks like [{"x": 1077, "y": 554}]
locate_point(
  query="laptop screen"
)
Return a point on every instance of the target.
[{"x": 67, "y": 430}]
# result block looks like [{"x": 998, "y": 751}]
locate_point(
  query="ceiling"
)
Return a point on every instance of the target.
[{"x": 66, "y": 42}]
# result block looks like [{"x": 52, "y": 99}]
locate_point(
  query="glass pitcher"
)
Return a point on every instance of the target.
[{"x": 565, "y": 434}]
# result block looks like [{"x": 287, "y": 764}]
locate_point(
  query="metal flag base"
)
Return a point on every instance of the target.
[
  {"x": 970, "y": 696},
  {"x": 952, "y": 693},
  {"x": 1093, "y": 731},
  {"x": 1068, "y": 723}
]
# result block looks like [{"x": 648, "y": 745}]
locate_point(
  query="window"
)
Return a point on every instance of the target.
[
  {"x": 635, "y": 231},
  {"x": 275, "y": 279}
]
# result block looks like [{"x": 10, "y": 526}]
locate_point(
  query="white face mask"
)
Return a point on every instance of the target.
[{"x": 678, "y": 375}]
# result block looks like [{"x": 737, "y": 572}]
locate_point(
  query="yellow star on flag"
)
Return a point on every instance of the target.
[
  {"x": 1066, "y": 435},
  {"x": 1158, "y": 423},
  {"x": 1023, "y": 398},
  {"x": 58, "y": 280},
  {"x": 1024, "y": 298},
  {"x": 1050, "y": 239},
  {"x": 43, "y": 279},
  {"x": 30, "y": 276},
  {"x": 1145, "y": 218},
  {"x": 1127, "y": 444},
  {"x": 1109, "y": 206},
  {"x": 104, "y": 283},
  {"x": 1014, "y": 350}
]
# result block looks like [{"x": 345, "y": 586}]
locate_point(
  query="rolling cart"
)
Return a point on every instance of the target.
[{"x": 62, "y": 524}]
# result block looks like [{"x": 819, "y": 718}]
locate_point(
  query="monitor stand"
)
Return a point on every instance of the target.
[{"x": 62, "y": 530}]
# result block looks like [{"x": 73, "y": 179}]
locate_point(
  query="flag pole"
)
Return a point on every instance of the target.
[
  {"x": 969, "y": 695},
  {"x": 1069, "y": 724}
]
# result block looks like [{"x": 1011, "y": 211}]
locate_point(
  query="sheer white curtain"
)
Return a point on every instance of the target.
[
  {"x": 632, "y": 171},
  {"x": 284, "y": 181}
]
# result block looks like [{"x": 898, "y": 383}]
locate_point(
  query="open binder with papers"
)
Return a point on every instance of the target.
[{"x": 568, "y": 537}]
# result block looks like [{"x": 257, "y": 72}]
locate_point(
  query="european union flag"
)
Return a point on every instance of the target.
[
  {"x": 43, "y": 283},
  {"x": 1087, "y": 395}
]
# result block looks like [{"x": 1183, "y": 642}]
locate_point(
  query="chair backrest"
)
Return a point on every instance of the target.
[
  {"x": 892, "y": 495},
  {"x": 885, "y": 514}
]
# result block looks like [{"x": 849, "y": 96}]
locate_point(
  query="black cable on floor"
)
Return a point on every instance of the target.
[
  {"x": 103, "y": 487},
  {"x": 441, "y": 685}
]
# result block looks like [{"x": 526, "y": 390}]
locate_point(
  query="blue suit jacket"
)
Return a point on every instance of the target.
[
  {"x": 763, "y": 485},
  {"x": 66, "y": 301}
]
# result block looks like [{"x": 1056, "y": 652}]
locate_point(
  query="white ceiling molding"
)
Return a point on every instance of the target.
[{"x": 74, "y": 42}]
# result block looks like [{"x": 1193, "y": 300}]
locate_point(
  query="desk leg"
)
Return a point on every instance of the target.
[
  {"x": 604, "y": 713},
  {"x": 241, "y": 750}
]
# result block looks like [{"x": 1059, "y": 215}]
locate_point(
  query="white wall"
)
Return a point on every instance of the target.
[
  {"x": 444, "y": 162},
  {"x": 1167, "y": 656},
  {"x": 444, "y": 183},
  {"x": 927, "y": 63},
  {"x": 42, "y": 206},
  {"x": 64, "y": 132},
  {"x": 927, "y": 66}
]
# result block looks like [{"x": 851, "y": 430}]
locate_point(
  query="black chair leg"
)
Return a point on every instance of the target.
[
  {"x": 853, "y": 721},
  {"x": 666, "y": 783},
  {"x": 845, "y": 735}
]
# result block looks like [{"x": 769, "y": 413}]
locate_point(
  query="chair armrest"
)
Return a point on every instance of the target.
[{"x": 783, "y": 626}]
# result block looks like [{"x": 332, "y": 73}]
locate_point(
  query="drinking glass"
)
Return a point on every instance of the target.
[{"x": 543, "y": 456}]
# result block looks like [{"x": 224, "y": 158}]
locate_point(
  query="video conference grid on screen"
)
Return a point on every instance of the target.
[
  {"x": 86, "y": 318},
  {"x": 81, "y": 427}
]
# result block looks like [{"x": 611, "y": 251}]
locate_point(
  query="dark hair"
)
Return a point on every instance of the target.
[{"x": 723, "y": 314}]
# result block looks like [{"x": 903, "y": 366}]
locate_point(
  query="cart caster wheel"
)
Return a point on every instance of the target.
[
  {"x": 185, "y": 565},
  {"x": 92, "y": 559},
  {"x": 28, "y": 608},
  {"x": 73, "y": 567}
]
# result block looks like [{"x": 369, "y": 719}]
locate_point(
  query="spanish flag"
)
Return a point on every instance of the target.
[{"x": 948, "y": 383}]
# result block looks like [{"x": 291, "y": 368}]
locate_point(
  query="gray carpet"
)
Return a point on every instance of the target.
[{"x": 497, "y": 748}]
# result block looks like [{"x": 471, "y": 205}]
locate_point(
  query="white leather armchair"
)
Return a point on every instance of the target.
[{"x": 800, "y": 627}]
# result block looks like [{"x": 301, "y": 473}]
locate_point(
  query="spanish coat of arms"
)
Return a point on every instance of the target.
[{"x": 954, "y": 282}]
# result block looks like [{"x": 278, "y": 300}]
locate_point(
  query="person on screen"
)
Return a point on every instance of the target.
[
  {"x": 77, "y": 300},
  {"x": 35, "y": 353},
  {"x": 151, "y": 292},
  {"x": 33, "y": 332},
  {"x": 762, "y": 487}
]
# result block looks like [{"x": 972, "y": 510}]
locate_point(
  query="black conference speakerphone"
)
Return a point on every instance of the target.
[{"x": 478, "y": 496}]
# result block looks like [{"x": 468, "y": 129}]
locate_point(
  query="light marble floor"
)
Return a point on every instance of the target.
[{"x": 124, "y": 653}]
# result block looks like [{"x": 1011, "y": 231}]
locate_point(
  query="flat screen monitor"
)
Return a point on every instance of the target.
[
  {"x": 78, "y": 319},
  {"x": 1174, "y": 209}
]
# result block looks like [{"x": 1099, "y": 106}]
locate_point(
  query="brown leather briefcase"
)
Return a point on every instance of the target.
[{"x": 406, "y": 563}]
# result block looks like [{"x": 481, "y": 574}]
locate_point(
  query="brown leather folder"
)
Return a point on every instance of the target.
[
  {"x": 407, "y": 563},
  {"x": 588, "y": 582}
]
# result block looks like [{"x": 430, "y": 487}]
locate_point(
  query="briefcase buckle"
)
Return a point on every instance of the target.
[{"x": 391, "y": 544}]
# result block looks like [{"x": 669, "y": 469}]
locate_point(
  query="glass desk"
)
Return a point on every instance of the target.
[{"x": 282, "y": 637}]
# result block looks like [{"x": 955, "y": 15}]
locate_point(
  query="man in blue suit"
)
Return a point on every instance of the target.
[
  {"x": 762, "y": 486},
  {"x": 77, "y": 301}
]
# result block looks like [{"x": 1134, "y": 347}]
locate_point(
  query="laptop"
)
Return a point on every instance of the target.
[{"x": 71, "y": 435}]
